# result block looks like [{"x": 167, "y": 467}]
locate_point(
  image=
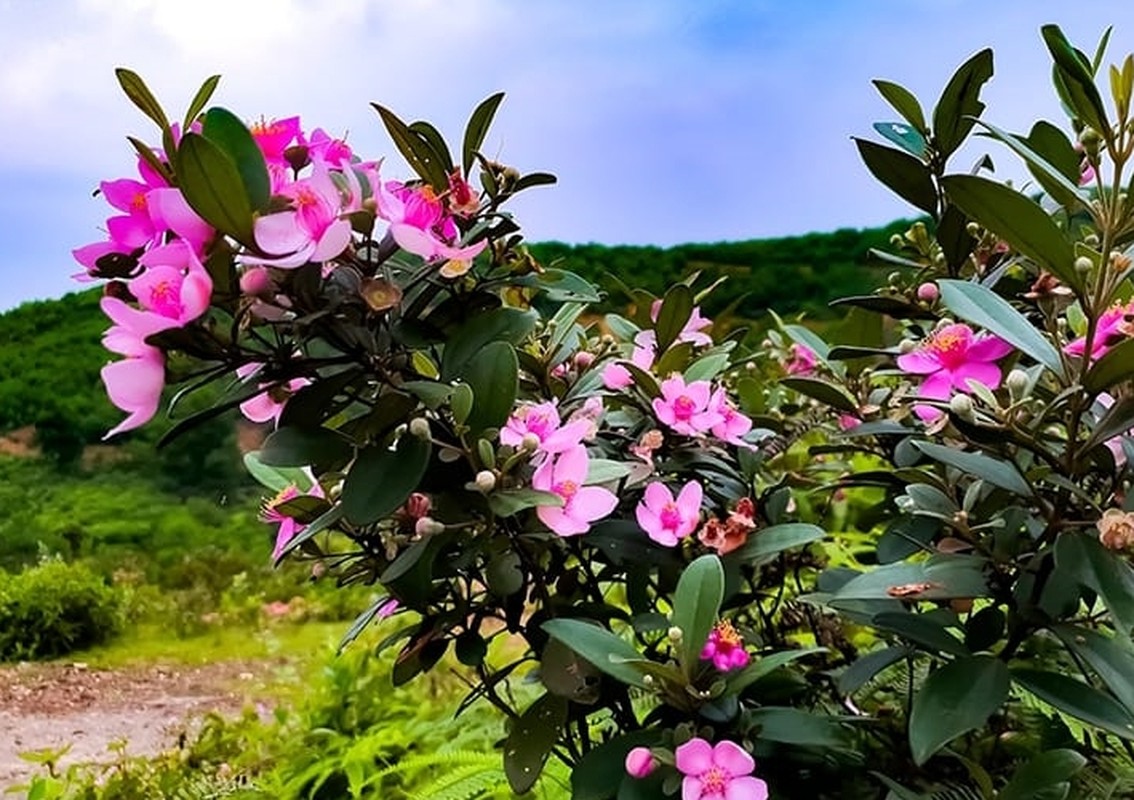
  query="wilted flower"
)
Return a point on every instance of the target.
[
  {"x": 1116, "y": 529},
  {"x": 802, "y": 360},
  {"x": 724, "y": 537}
]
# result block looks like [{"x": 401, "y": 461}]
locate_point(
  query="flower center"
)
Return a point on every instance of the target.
[
  {"x": 714, "y": 781},
  {"x": 683, "y": 407},
  {"x": 164, "y": 300},
  {"x": 566, "y": 490},
  {"x": 727, "y": 635},
  {"x": 950, "y": 346},
  {"x": 670, "y": 516},
  {"x": 539, "y": 423},
  {"x": 138, "y": 201},
  {"x": 305, "y": 197}
]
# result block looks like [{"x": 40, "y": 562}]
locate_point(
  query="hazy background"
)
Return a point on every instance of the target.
[{"x": 666, "y": 121}]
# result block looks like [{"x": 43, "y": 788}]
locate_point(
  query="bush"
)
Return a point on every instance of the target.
[{"x": 55, "y": 608}]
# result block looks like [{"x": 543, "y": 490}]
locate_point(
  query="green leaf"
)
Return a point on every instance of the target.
[
  {"x": 141, "y": 96},
  {"x": 501, "y": 324},
  {"x": 604, "y": 470},
  {"x": 905, "y": 137},
  {"x": 948, "y": 577},
  {"x": 199, "y": 100},
  {"x": 1078, "y": 699},
  {"x": 436, "y": 143},
  {"x": 866, "y": 667},
  {"x": 513, "y": 501},
  {"x": 763, "y": 666},
  {"x": 1112, "y": 659},
  {"x": 905, "y": 175},
  {"x": 904, "y": 103},
  {"x": 275, "y": 478},
  {"x": 302, "y": 447},
  {"x": 775, "y": 539},
  {"x": 595, "y": 777},
  {"x": 531, "y": 739},
  {"x": 795, "y": 726},
  {"x": 1054, "y": 180},
  {"x": 477, "y": 129},
  {"x": 676, "y": 308},
  {"x": 1042, "y": 772},
  {"x": 824, "y": 391},
  {"x": 361, "y": 622},
  {"x": 924, "y": 630},
  {"x": 1102, "y": 571},
  {"x": 327, "y": 520},
  {"x": 989, "y": 469},
  {"x": 706, "y": 367},
  {"x": 955, "y": 699},
  {"x": 1016, "y": 219},
  {"x": 696, "y": 604},
  {"x": 1082, "y": 94},
  {"x": 494, "y": 377},
  {"x": 600, "y": 647},
  {"x": 981, "y": 306},
  {"x": 212, "y": 187},
  {"x": 1115, "y": 367},
  {"x": 381, "y": 479},
  {"x": 1115, "y": 421},
  {"x": 416, "y": 151},
  {"x": 503, "y": 574},
  {"x": 227, "y": 131},
  {"x": 960, "y": 103},
  {"x": 533, "y": 179},
  {"x": 562, "y": 286}
]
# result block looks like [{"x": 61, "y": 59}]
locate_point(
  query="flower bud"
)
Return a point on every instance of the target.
[
  {"x": 419, "y": 427},
  {"x": 907, "y": 346},
  {"x": 256, "y": 281},
  {"x": 1017, "y": 383},
  {"x": 417, "y": 506},
  {"x": 894, "y": 278},
  {"x": 1083, "y": 265},
  {"x": 640, "y": 762},
  {"x": 583, "y": 359},
  {"x": 530, "y": 443},
  {"x": 427, "y": 526},
  {"x": 927, "y": 292},
  {"x": 485, "y": 481},
  {"x": 962, "y": 406},
  {"x": 675, "y": 635}
]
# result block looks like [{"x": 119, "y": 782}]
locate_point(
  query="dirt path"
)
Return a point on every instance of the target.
[{"x": 52, "y": 705}]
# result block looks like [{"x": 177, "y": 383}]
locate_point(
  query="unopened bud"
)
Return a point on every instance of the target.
[
  {"x": 1083, "y": 264},
  {"x": 894, "y": 278},
  {"x": 907, "y": 346},
  {"x": 485, "y": 481},
  {"x": 256, "y": 281},
  {"x": 962, "y": 406},
  {"x": 927, "y": 292},
  {"x": 530, "y": 443},
  {"x": 640, "y": 762},
  {"x": 1017, "y": 383},
  {"x": 583, "y": 359},
  {"x": 419, "y": 427},
  {"x": 427, "y": 526},
  {"x": 675, "y": 635}
]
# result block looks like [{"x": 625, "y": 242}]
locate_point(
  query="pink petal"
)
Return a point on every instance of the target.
[
  {"x": 559, "y": 521},
  {"x": 566, "y": 437},
  {"x": 196, "y": 291},
  {"x": 733, "y": 758},
  {"x": 614, "y": 376},
  {"x": 571, "y": 465},
  {"x": 123, "y": 193},
  {"x": 280, "y": 233},
  {"x": 89, "y": 254},
  {"x": 699, "y": 392},
  {"x": 171, "y": 211},
  {"x": 261, "y": 408},
  {"x": 937, "y": 386},
  {"x": 695, "y": 757},
  {"x": 648, "y": 521},
  {"x": 689, "y": 500},
  {"x": 130, "y": 232},
  {"x": 747, "y": 788},
  {"x": 919, "y": 362},
  {"x": 333, "y": 241},
  {"x": 657, "y": 495},
  {"x": 988, "y": 348},
  {"x": 544, "y": 476},
  {"x": 593, "y": 502},
  {"x": 691, "y": 788},
  {"x": 982, "y": 372},
  {"x": 416, "y": 241},
  {"x": 134, "y": 385}
]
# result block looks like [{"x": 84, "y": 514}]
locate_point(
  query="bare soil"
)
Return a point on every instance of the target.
[{"x": 46, "y": 706}]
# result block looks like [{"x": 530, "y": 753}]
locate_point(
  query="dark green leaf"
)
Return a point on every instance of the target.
[
  {"x": 980, "y": 305},
  {"x": 477, "y": 129},
  {"x": 923, "y": 630},
  {"x": 1112, "y": 659},
  {"x": 1042, "y": 772},
  {"x": 493, "y": 376},
  {"x": 226, "y": 131},
  {"x": 989, "y": 469},
  {"x": 1016, "y": 219},
  {"x": 775, "y": 539},
  {"x": 896, "y": 307},
  {"x": 1102, "y": 571},
  {"x": 905, "y": 175},
  {"x": 416, "y": 151},
  {"x": 1079, "y": 83},
  {"x": 599, "y": 646},
  {"x": 301, "y": 447},
  {"x": 436, "y": 143},
  {"x": 696, "y": 604},
  {"x": 212, "y": 186},
  {"x": 984, "y": 628},
  {"x": 955, "y": 699},
  {"x": 795, "y": 726},
  {"x": 866, "y": 667},
  {"x": 676, "y": 308},
  {"x": 141, "y": 96},
  {"x": 960, "y": 103},
  {"x": 275, "y": 478},
  {"x": 562, "y": 286},
  {"x": 763, "y": 666},
  {"x": 904, "y": 103},
  {"x": 1115, "y": 421},
  {"x": 533, "y": 179},
  {"x": 199, "y": 100},
  {"x": 953, "y": 236},
  {"x": 361, "y": 622},
  {"x": 1077, "y": 699},
  {"x": 326, "y": 521},
  {"x": 1115, "y": 367},
  {"x": 381, "y": 479},
  {"x": 905, "y": 137},
  {"x": 513, "y": 501},
  {"x": 824, "y": 391},
  {"x": 948, "y": 577},
  {"x": 595, "y": 776},
  {"x": 503, "y": 574},
  {"x": 501, "y": 324}
]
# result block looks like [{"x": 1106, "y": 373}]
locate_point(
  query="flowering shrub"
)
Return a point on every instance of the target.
[{"x": 612, "y": 508}]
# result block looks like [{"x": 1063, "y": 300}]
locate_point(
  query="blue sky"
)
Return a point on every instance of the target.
[{"x": 666, "y": 121}]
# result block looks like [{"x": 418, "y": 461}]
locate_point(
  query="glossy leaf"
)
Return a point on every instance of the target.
[
  {"x": 762, "y": 666},
  {"x": 1112, "y": 659},
  {"x": 946, "y": 577},
  {"x": 923, "y": 630},
  {"x": 502, "y": 324},
  {"x": 1053, "y": 178},
  {"x": 302, "y": 447},
  {"x": 477, "y": 129},
  {"x": 824, "y": 391},
  {"x": 1016, "y": 219},
  {"x": 225, "y": 129},
  {"x": 275, "y": 478},
  {"x": 436, "y": 143},
  {"x": 513, "y": 501},
  {"x": 533, "y": 179},
  {"x": 1116, "y": 366},
  {"x": 493, "y": 376},
  {"x": 776, "y": 539},
  {"x": 1077, "y": 699},
  {"x": 905, "y": 137},
  {"x": 1082, "y": 94},
  {"x": 960, "y": 103},
  {"x": 981, "y": 306},
  {"x": 596, "y": 775},
  {"x": 676, "y": 308},
  {"x": 989, "y": 469},
  {"x": 600, "y": 647},
  {"x": 212, "y": 187},
  {"x": 864, "y": 668},
  {"x": 903, "y": 102},
  {"x": 200, "y": 100},
  {"x": 696, "y": 604},
  {"x": 1043, "y": 772},
  {"x": 530, "y": 741},
  {"x": 905, "y": 175},
  {"x": 955, "y": 699},
  {"x": 416, "y": 151},
  {"x": 1102, "y": 571},
  {"x": 795, "y": 726},
  {"x": 381, "y": 479}
]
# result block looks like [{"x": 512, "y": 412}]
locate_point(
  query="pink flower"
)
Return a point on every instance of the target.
[
  {"x": 170, "y": 211},
  {"x": 951, "y": 356},
  {"x": 135, "y": 228},
  {"x": 312, "y": 230},
  {"x": 542, "y": 421},
  {"x": 686, "y": 408},
  {"x": 693, "y": 332},
  {"x": 725, "y": 648},
  {"x": 1111, "y": 329},
  {"x": 268, "y": 406},
  {"x": 175, "y": 284},
  {"x": 616, "y": 377},
  {"x": 134, "y": 384},
  {"x": 640, "y": 762},
  {"x": 564, "y": 475},
  {"x": 321, "y": 146},
  {"x": 288, "y": 526},
  {"x": 275, "y": 137},
  {"x": 420, "y": 224},
  {"x": 733, "y": 424},
  {"x": 802, "y": 361},
  {"x": 723, "y": 772},
  {"x": 665, "y": 520}
]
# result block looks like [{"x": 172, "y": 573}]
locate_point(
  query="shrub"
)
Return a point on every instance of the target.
[{"x": 55, "y": 608}]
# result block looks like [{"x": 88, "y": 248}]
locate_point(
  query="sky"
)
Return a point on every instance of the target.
[{"x": 667, "y": 121}]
